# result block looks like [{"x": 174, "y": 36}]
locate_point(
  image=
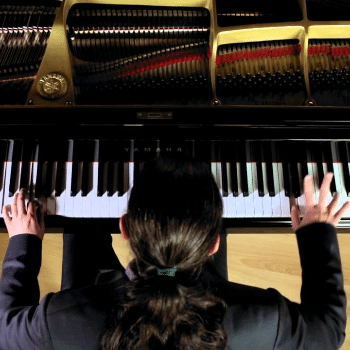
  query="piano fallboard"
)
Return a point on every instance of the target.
[{"x": 175, "y": 122}]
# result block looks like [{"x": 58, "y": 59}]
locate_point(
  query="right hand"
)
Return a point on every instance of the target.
[{"x": 318, "y": 212}]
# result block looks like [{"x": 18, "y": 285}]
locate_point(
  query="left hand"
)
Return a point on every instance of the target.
[{"x": 23, "y": 221}]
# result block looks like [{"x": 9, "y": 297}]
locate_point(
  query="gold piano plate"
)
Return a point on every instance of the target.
[{"x": 52, "y": 86}]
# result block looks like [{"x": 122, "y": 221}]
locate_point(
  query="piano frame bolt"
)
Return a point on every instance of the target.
[
  {"x": 31, "y": 102},
  {"x": 215, "y": 102},
  {"x": 310, "y": 102},
  {"x": 69, "y": 103}
]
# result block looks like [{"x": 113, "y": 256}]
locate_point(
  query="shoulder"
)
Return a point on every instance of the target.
[{"x": 97, "y": 296}]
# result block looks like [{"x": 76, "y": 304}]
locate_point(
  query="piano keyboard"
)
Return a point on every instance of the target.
[{"x": 93, "y": 178}]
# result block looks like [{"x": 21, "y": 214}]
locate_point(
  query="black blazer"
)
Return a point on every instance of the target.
[{"x": 256, "y": 318}]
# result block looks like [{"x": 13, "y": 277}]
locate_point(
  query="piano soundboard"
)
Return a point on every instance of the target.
[{"x": 258, "y": 90}]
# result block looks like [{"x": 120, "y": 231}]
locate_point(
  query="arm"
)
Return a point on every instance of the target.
[
  {"x": 319, "y": 321},
  {"x": 22, "y": 318}
]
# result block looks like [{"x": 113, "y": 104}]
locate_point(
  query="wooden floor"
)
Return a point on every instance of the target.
[{"x": 263, "y": 260}]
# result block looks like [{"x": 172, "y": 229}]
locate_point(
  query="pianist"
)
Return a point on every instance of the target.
[{"x": 173, "y": 296}]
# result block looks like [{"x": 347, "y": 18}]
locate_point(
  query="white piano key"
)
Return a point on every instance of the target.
[
  {"x": 60, "y": 200},
  {"x": 95, "y": 200},
  {"x": 2, "y": 188},
  {"x": 339, "y": 183},
  {"x": 311, "y": 166},
  {"x": 249, "y": 201},
  {"x": 266, "y": 199},
  {"x": 285, "y": 201},
  {"x": 231, "y": 205},
  {"x": 257, "y": 201},
  {"x": 7, "y": 199},
  {"x": 128, "y": 180},
  {"x": 325, "y": 170},
  {"x": 87, "y": 200},
  {"x": 216, "y": 171},
  {"x": 42, "y": 200},
  {"x": 276, "y": 200},
  {"x": 51, "y": 201},
  {"x": 104, "y": 199},
  {"x": 240, "y": 201},
  {"x": 315, "y": 181},
  {"x": 114, "y": 200},
  {"x": 78, "y": 199},
  {"x": 69, "y": 202}
]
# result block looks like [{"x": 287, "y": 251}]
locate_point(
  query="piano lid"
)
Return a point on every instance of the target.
[{"x": 156, "y": 53}]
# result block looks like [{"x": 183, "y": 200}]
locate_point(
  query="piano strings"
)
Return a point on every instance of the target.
[
  {"x": 123, "y": 50},
  {"x": 260, "y": 68},
  {"x": 24, "y": 33}
]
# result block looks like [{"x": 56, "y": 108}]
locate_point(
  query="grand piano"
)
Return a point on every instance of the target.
[{"x": 90, "y": 90}]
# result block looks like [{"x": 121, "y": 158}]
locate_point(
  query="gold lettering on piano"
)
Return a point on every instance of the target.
[{"x": 52, "y": 86}]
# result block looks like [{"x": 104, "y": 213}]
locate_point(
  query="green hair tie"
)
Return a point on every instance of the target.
[{"x": 167, "y": 272}]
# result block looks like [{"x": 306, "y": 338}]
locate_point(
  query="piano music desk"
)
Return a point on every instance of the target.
[{"x": 259, "y": 259}]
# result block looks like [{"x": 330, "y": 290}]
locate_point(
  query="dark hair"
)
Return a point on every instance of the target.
[{"x": 174, "y": 218}]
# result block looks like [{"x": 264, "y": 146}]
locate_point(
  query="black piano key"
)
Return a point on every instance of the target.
[
  {"x": 48, "y": 182},
  {"x": 242, "y": 158},
  {"x": 87, "y": 173},
  {"x": 110, "y": 178},
  {"x": 267, "y": 157},
  {"x": 39, "y": 191},
  {"x": 303, "y": 159},
  {"x": 125, "y": 157},
  {"x": 224, "y": 179},
  {"x": 112, "y": 148},
  {"x": 222, "y": 154},
  {"x": 344, "y": 158},
  {"x": 327, "y": 153},
  {"x": 32, "y": 179},
  {"x": 27, "y": 157},
  {"x": 120, "y": 179},
  {"x": 293, "y": 148},
  {"x": 101, "y": 167},
  {"x": 218, "y": 157},
  {"x": 317, "y": 148},
  {"x": 62, "y": 158},
  {"x": 75, "y": 168},
  {"x": 16, "y": 157},
  {"x": 256, "y": 149},
  {"x": 282, "y": 149},
  {"x": 3, "y": 153},
  {"x": 231, "y": 157}
]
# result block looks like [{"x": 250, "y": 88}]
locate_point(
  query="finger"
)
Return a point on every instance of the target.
[
  {"x": 42, "y": 213},
  {"x": 325, "y": 189},
  {"x": 20, "y": 203},
  {"x": 333, "y": 205},
  {"x": 31, "y": 209},
  {"x": 14, "y": 205},
  {"x": 341, "y": 212},
  {"x": 295, "y": 218},
  {"x": 309, "y": 191},
  {"x": 7, "y": 218}
]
